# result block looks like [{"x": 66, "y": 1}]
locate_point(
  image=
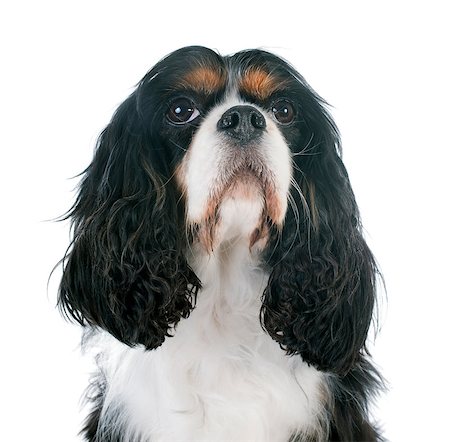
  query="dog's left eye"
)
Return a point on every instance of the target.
[
  {"x": 182, "y": 111},
  {"x": 283, "y": 111}
]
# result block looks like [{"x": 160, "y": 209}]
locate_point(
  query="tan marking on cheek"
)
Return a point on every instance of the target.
[
  {"x": 181, "y": 181},
  {"x": 204, "y": 80},
  {"x": 274, "y": 208},
  {"x": 206, "y": 235},
  {"x": 259, "y": 84},
  {"x": 259, "y": 238},
  {"x": 180, "y": 176},
  {"x": 211, "y": 208}
]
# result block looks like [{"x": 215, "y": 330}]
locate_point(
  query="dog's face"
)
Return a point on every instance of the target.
[
  {"x": 235, "y": 175},
  {"x": 234, "y": 129},
  {"x": 236, "y": 171},
  {"x": 208, "y": 149}
]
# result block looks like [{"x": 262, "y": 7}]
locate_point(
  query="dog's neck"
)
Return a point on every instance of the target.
[
  {"x": 234, "y": 263},
  {"x": 231, "y": 275}
]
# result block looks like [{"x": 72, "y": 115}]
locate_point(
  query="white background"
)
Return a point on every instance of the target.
[{"x": 66, "y": 65}]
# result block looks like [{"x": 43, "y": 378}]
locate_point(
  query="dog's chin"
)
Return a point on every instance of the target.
[
  {"x": 242, "y": 213},
  {"x": 242, "y": 210}
]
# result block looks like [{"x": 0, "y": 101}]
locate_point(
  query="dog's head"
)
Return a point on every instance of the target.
[{"x": 207, "y": 149}]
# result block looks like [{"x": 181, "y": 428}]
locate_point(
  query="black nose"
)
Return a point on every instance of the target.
[{"x": 245, "y": 123}]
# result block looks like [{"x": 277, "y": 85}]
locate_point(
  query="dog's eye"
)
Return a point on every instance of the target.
[
  {"x": 283, "y": 111},
  {"x": 182, "y": 111}
]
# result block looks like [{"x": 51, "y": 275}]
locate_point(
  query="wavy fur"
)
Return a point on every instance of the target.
[
  {"x": 126, "y": 271},
  {"x": 134, "y": 266},
  {"x": 321, "y": 293}
]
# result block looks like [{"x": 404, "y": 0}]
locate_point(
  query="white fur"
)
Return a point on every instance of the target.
[
  {"x": 208, "y": 160},
  {"x": 220, "y": 377}
]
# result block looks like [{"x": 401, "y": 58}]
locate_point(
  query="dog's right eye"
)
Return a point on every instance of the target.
[{"x": 182, "y": 111}]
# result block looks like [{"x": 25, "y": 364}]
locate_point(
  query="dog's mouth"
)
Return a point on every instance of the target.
[
  {"x": 254, "y": 182},
  {"x": 245, "y": 183},
  {"x": 244, "y": 199}
]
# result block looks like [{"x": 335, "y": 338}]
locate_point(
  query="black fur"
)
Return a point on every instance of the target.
[
  {"x": 321, "y": 293},
  {"x": 126, "y": 271}
]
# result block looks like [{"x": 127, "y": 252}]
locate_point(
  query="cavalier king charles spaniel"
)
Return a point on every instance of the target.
[{"x": 218, "y": 264}]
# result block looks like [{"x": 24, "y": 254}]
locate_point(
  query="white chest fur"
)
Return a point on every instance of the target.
[{"x": 220, "y": 377}]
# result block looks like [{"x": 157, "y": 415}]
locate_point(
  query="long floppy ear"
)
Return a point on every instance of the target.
[
  {"x": 320, "y": 295},
  {"x": 126, "y": 271}
]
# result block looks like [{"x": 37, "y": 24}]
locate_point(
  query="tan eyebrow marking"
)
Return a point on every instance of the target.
[
  {"x": 204, "y": 79},
  {"x": 259, "y": 84}
]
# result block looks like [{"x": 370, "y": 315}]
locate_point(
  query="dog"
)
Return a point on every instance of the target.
[{"x": 218, "y": 265}]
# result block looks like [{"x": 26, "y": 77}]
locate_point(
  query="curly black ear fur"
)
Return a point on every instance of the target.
[
  {"x": 320, "y": 295},
  {"x": 126, "y": 271}
]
